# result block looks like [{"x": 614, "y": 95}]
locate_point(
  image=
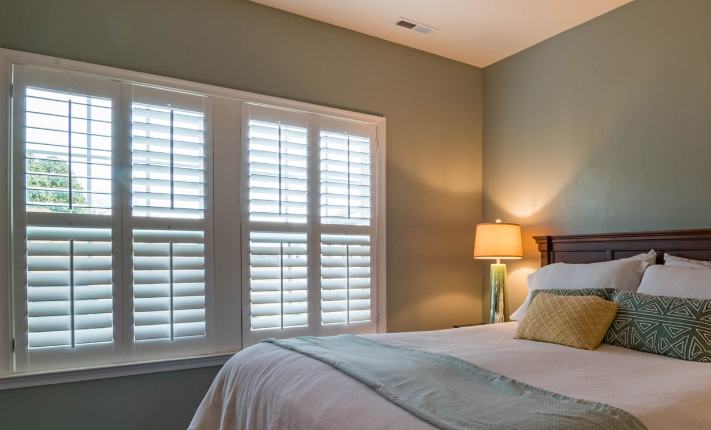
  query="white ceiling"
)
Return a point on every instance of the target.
[{"x": 477, "y": 32}]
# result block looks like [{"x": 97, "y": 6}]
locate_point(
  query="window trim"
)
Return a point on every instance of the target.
[{"x": 10, "y": 57}]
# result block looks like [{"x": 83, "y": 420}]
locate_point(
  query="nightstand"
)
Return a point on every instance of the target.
[{"x": 468, "y": 325}]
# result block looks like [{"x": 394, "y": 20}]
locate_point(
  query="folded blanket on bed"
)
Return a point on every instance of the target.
[{"x": 450, "y": 393}]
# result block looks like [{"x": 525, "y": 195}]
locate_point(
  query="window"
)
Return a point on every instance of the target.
[{"x": 121, "y": 250}]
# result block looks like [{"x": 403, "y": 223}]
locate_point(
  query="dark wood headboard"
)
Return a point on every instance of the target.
[{"x": 592, "y": 248}]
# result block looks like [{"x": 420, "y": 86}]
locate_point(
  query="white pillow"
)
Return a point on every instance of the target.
[
  {"x": 623, "y": 274},
  {"x": 677, "y": 281},
  {"x": 671, "y": 260}
]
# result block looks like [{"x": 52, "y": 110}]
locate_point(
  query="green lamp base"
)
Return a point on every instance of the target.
[{"x": 499, "y": 306}]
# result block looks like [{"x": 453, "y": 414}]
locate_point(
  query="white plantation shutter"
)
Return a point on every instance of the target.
[
  {"x": 308, "y": 232},
  {"x": 65, "y": 288},
  {"x": 170, "y": 222},
  {"x": 345, "y": 231},
  {"x": 276, "y": 236}
]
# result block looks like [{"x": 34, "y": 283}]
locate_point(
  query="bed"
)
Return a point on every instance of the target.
[{"x": 268, "y": 387}]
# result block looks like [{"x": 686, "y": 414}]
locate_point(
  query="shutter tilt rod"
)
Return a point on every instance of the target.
[
  {"x": 281, "y": 280},
  {"x": 348, "y": 284},
  {"x": 71, "y": 290},
  {"x": 69, "y": 158},
  {"x": 348, "y": 175},
  {"x": 279, "y": 149},
  {"x": 172, "y": 184},
  {"x": 172, "y": 330}
]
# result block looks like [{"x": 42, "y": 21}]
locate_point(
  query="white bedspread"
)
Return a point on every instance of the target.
[{"x": 267, "y": 387}]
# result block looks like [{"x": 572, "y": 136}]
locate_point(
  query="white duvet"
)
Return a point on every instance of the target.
[{"x": 267, "y": 387}]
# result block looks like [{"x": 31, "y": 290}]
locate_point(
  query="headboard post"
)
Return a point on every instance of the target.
[
  {"x": 545, "y": 247},
  {"x": 593, "y": 248}
]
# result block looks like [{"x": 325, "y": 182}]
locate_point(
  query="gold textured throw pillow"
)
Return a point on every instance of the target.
[{"x": 580, "y": 322}]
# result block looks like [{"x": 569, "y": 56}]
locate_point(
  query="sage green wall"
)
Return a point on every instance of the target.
[
  {"x": 433, "y": 111},
  {"x": 603, "y": 128},
  {"x": 154, "y": 401}
]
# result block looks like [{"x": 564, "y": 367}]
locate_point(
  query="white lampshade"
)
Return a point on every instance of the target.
[{"x": 498, "y": 240}]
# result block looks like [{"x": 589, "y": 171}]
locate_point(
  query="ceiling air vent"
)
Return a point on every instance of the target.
[{"x": 415, "y": 26}]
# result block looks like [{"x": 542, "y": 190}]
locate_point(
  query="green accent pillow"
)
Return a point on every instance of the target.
[
  {"x": 604, "y": 293},
  {"x": 671, "y": 326}
]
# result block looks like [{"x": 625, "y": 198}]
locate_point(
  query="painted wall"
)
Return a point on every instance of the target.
[
  {"x": 433, "y": 111},
  {"x": 603, "y": 128}
]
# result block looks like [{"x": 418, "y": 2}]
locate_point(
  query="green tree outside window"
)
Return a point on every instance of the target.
[{"x": 36, "y": 177}]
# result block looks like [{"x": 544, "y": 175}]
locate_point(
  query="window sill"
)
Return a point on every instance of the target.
[{"x": 112, "y": 371}]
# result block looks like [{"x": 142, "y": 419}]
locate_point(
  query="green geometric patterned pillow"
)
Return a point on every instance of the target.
[
  {"x": 671, "y": 326},
  {"x": 605, "y": 293}
]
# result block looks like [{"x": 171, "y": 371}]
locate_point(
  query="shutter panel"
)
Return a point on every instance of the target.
[
  {"x": 68, "y": 141},
  {"x": 276, "y": 226},
  {"x": 346, "y": 233},
  {"x": 168, "y": 284},
  {"x": 69, "y": 292},
  {"x": 278, "y": 273},
  {"x": 345, "y": 179},
  {"x": 277, "y": 172},
  {"x": 345, "y": 278},
  {"x": 170, "y": 222},
  {"x": 65, "y": 282},
  {"x": 168, "y": 159}
]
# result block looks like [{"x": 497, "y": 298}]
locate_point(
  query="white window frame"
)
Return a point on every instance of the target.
[{"x": 227, "y": 138}]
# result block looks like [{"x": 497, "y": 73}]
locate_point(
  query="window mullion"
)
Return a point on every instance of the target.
[
  {"x": 5, "y": 216},
  {"x": 246, "y": 227},
  {"x": 19, "y": 234}
]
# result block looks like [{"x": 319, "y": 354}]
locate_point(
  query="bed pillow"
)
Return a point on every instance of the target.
[
  {"x": 671, "y": 260},
  {"x": 577, "y": 321},
  {"x": 623, "y": 274},
  {"x": 672, "y": 326},
  {"x": 603, "y": 293},
  {"x": 677, "y": 281}
]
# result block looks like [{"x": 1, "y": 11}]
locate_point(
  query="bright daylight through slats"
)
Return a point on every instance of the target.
[
  {"x": 277, "y": 173},
  {"x": 168, "y": 284},
  {"x": 278, "y": 280},
  {"x": 68, "y": 286},
  {"x": 168, "y": 162},
  {"x": 345, "y": 278},
  {"x": 345, "y": 179}
]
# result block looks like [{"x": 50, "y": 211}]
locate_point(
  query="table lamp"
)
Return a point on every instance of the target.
[{"x": 499, "y": 241}]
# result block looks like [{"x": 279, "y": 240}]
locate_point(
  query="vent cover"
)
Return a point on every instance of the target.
[{"x": 413, "y": 25}]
